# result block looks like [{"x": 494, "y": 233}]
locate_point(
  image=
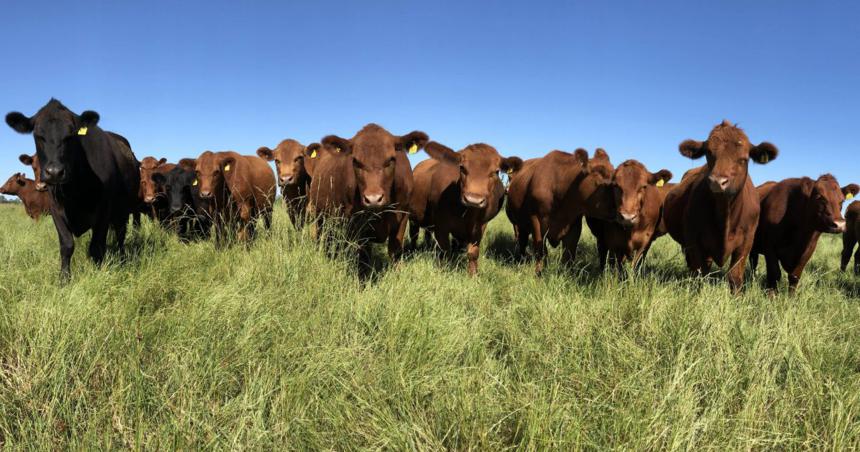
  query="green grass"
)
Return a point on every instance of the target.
[{"x": 186, "y": 346}]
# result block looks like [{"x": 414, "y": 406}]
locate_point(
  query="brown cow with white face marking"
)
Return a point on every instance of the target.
[
  {"x": 639, "y": 205},
  {"x": 236, "y": 189},
  {"x": 458, "y": 193},
  {"x": 35, "y": 202},
  {"x": 368, "y": 180},
  {"x": 713, "y": 212},
  {"x": 794, "y": 214},
  {"x": 293, "y": 165}
]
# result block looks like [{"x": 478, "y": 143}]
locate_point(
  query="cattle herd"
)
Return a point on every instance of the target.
[{"x": 90, "y": 180}]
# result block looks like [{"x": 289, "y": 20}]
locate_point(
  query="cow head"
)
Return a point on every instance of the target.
[
  {"x": 289, "y": 157},
  {"x": 630, "y": 184},
  {"x": 373, "y": 153},
  {"x": 212, "y": 170},
  {"x": 149, "y": 189},
  {"x": 14, "y": 184},
  {"x": 599, "y": 166},
  {"x": 178, "y": 186},
  {"x": 57, "y": 133},
  {"x": 33, "y": 162},
  {"x": 728, "y": 151},
  {"x": 824, "y": 206},
  {"x": 479, "y": 165}
]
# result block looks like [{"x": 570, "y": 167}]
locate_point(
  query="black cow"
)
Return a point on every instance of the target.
[
  {"x": 186, "y": 211},
  {"x": 92, "y": 175}
]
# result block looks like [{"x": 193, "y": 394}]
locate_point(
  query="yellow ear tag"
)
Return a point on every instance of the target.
[
  {"x": 194, "y": 183},
  {"x": 336, "y": 149},
  {"x": 413, "y": 149},
  {"x": 82, "y": 131},
  {"x": 509, "y": 171},
  {"x": 226, "y": 168},
  {"x": 660, "y": 183},
  {"x": 765, "y": 159},
  {"x": 850, "y": 196},
  {"x": 314, "y": 154}
]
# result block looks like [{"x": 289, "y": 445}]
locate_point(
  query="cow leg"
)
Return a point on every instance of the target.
[
  {"x": 695, "y": 262},
  {"x": 120, "y": 229},
  {"x": 522, "y": 237},
  {"x": 67, "y": 247},
  {"x": 538, "y": 244},
  {"x": 773, "y": 272},
  {"x": 246, "y": 227},
  {"x": 98, "y": 242},
  {"x": 473, "y": 250},
  {"x": 395, "y": 239},
  {"x": 135, "y": 219},
  {"x": 849, "y": 240},
  {"x": 444, "y": 240},
  {"x": 794, "y": 273},
  {"x": 570, "y": 242},
  {"x": 736, "y": 268},
  {"x": 414, "y": 231}
]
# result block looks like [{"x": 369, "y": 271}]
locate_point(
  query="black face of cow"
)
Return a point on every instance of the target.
[
  {"x": 57, "y": 132},
  {"x": 728, "y": 151},
  {"x": 178, "y": 185},
  {"x": 374, "y": 153}
]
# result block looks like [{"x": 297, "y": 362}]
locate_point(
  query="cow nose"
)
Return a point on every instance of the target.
[
  {"x": 839, "y": 226},
  {"x": 149, "y": 199},
  {"x": 54, "y": 171},
  {"x": 629, "y": 218},
  {"x": 41, "y": 186},
  {"x": 473, "y": 200},
  {"x": 373, "y": 200},
  {"x": 206, "y": 194},
  {"x": 286, "y": 180},
  {"x": 719, "y": 183}
]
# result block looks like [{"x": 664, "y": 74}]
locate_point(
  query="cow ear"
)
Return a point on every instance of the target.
[
  {"x": 162, "y": 161},
  {"x": 439, "y": 151},
  {"x": 313, "y": 150},
  {"x": 228, "y": 165},
  {"x": 511, "y": 165},
  {"x": 582, "y": 156},
  {"x": 692, "y": 149},
  {"x": 850, "y": 190},
  {"x": 26, "y": 159},
  {"x": 89, "y": 118},
  {"x": 188, "y": 164},
  {"x": 764, "y": 152},
  {"x": 412, "y": 142},
  {"x": 265, "y": 153},
  {"x": 158, "y": 178},
  {"x": 337, "y": 144},
  {"x": 19, "y": 123},
  {"x": 21, "y": 179},
  {"x": 660, "y": 177}
]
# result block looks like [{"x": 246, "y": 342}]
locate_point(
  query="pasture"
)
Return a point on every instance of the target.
[{"x": 279, "y": 346}]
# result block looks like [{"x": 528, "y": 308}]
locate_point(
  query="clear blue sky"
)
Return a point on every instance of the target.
[{"x": 633, "y": 77}]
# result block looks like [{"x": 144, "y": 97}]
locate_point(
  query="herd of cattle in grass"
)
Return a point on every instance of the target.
[{"x": 89, "y": 179}]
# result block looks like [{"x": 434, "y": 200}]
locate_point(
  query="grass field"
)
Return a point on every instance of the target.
[{"x": 278, "y": 346}]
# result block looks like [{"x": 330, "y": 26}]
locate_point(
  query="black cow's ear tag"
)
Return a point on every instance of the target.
[
  {"x": 413, "y": 149},
  {"x": 82, "y": 131}
]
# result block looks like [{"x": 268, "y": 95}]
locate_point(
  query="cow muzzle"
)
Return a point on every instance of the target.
[
  {"x": 837, "y": 227},
  {"x": 54, "y": 174},
  {"x": 628, "y": 219},
  {"x": 287, "y": 180},
  {"x": 374, "y": 200},
  {"x": 41, "y": 186},
  {"x": 205, "y": 194},
  {"x": 474, "y": 200},
  {"x": 718, "y": 184},
  {"x": 149, "y": 199}
]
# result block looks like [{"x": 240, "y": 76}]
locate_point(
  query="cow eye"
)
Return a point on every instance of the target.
[
  {"x": 357, "y": 164},
  {"x": 390, "y": 162},
  {"x": 299, "y": 158},
  {"x": 463, "y": 170}
]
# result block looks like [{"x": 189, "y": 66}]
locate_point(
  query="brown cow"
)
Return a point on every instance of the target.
[
  {"x": 548, "y": 198},
  {"x": 458, "y": 193},
  {"x": 33, "y": 162},
  {"x": 35, "y": 202},
  {"x": 639, "y": 203},
  {"x": 368, "y": 180},
  {"x": 851, "y": 236},
  {"x": 293, "y": 164},
  {"x": 236, "y": 189},
  {"x": 713, "y": 212},
  {"x": 794, "y": 213},
  {"x": 151, "y": 193}
]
